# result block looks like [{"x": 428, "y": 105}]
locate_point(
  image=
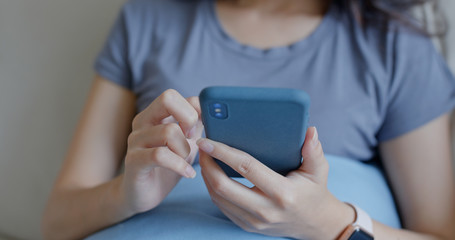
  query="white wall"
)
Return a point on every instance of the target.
[
  {"x": 47, "y": 48},
  {"x": 449, "y": 7},
  {"x": 46, "y": 51}
]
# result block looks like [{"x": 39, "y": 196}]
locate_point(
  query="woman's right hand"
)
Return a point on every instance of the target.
[{"x": 161, "y": 148}]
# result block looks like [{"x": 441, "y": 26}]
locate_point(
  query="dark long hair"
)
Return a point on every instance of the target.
[{"x": 381, "y": 12}]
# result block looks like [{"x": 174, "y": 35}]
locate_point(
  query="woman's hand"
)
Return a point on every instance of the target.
[
  {"x": 161, "y": 148},
  {"x": 298, "y": 205}
]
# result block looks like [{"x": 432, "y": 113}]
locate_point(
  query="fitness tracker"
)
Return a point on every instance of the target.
[{"x": 361, "y": 229}]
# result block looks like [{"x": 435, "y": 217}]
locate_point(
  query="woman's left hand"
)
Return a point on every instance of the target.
[{"x": 298, "y": 205}]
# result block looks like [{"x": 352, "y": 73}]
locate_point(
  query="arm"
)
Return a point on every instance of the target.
[
  {"x": 420, "y": 171},
  {"x": 418, "y": 163},
  {"x": 87, "y": 195},
  {"x": 91, "y": 163}
]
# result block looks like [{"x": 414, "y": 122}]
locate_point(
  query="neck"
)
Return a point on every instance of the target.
[{"x": 310, "y": 7}]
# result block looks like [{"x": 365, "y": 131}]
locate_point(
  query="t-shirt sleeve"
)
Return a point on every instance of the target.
[
  {"x": 112, "y": 62},
  {"x": 421, "y": 86}
]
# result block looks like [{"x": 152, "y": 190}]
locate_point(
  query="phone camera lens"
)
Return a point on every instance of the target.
[{"x": 218, "y": 110}]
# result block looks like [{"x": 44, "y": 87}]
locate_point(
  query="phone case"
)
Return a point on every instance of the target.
[{"x": 268, "y": 123}]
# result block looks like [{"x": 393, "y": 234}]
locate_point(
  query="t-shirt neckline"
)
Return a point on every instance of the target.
[{"x": 316, "y": 37}]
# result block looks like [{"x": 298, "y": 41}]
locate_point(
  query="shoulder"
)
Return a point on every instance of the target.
[
  {"x": 408, "y": 45},
  {"x": 157, "y": 21},
  {"x": 393, "y": 35},
  {"x": 388, "y": 49},
  {"x": 410, "y": 53},
  {"x": 144, "y": 17},
  {"x": 402, "y": 45}
]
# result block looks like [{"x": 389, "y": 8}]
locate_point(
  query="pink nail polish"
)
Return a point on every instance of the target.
[
  {"x": 314, "y": 139},
  {"x": 192, "y": 132},
  {"x": 189, "y": 172}
]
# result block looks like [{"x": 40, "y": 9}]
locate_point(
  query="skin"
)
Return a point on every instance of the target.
[
  {"x": 273, "y": 206},
  {"x": 158, "y": 151},
  {"x": 257, "y": 22}
]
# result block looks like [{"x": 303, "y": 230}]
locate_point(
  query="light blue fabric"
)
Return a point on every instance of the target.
[
  {"x": 188, "y": 212},
  {"x": 366, "y": 86}
]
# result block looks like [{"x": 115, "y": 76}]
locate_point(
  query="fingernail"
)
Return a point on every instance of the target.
[
  {"x": 314, "y": 139},
  {"x": 192, "y": 132},
  {"x": 189, "y": 158},
  {"x": 205, "y": 145},
  {"x": 189, "y": 172}
]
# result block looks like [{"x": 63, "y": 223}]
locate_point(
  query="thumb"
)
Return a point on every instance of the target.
[
  {"x": 314, "y": 162},
  {"x": 196, "y": 131}
]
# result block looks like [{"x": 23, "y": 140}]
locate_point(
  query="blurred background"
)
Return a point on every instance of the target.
[{"x": 47, "y": 48}]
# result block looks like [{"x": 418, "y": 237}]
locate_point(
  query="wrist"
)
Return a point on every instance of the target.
[
  {"x": 337, "y": 217},
  {"x": 119, "y": 194},
  {"x": 362, "y": 228}
]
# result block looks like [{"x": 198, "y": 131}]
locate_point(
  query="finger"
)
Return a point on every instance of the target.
[
  {"x": 194, "y": 150},
  {"x": 169, "y": 119},
  {"x": 260, "y": 175},
  {"x": 149, "y": 158},
  {"x": 245, "y": 219},
  {"x": 196, "y": 132},
  {"x": 194, "y": 101},
  {"x": 314, "y": 162},
  {"x": 169, "y": 135},
  {"x": 223, "y": 187},
  {"x": 169, "y": 103},
  {"x": 230, "y": 208}
]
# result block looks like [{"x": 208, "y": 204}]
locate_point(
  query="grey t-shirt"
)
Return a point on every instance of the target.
[{"x": 366, "y": 86}]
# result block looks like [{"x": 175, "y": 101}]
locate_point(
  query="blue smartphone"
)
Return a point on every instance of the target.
[{"x": 268, "y": 123}]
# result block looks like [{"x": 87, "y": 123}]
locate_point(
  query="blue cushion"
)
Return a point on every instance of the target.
[{"x": 188, "y": 212}]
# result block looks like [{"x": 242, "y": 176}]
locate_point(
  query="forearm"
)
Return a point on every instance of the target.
[
  {"x": 382, "y": 231},
  {"x": 74, "y": 214},
  {"x": 344, "y": 215},
  {"x": 419, "y": 168},
  {"x": 442, "y": 231}
]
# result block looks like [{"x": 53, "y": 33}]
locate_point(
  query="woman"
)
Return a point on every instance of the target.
[{"x": 379, "y": 90}]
